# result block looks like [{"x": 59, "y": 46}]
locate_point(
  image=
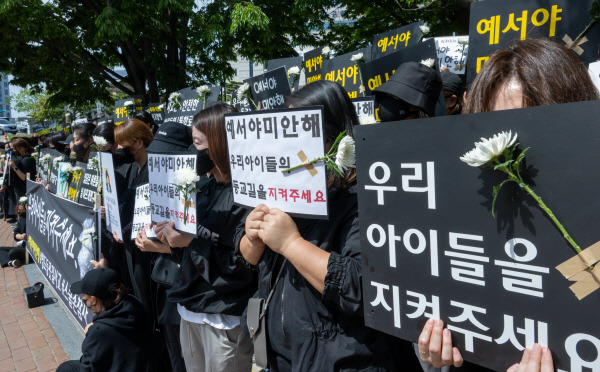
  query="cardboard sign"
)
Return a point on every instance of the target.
[
  {"x": 75, "y": 184},
  {"x": 123, "y": 112},
  {"x": 89, "y": 185},
  {"x": 431, "y": 247},
  {"x": 262, "y": 144},
  {"x": 451, "y": 53},
  {"x": 398, "y": 39},
  {"x": 189, "y": 105},
  {"x": 269, "y": 89},
  {"x": 313, "y": 63},
  {"x": 365, "y": 106},
  {"x": 109, "y": 194},
  {"x": 62, "y": 239},
  {"x": 494, "y": 23},
  {"x": 142, "y": 220},
  {"x": 156, "y": 110},
  {"x": 287, "y": 63},
  {"x": 345, "y": 72},
  {"x": 166, "y": 203}
]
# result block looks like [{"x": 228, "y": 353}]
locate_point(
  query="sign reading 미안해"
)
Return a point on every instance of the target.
[
  {"x": 452, "y": 53},
  {"x": 142, "y": 219},
  {"x": 166, "y": 202},
  {"x": 269, "y": 89},
  {"x": 262, "y": 144},
  {"x": 431, "y": 247}
]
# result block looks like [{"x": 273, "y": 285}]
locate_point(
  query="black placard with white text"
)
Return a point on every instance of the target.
[{"x": 269, "y": 89}]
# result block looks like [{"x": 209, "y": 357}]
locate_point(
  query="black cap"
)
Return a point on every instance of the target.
[
  {"x": 96, "y": 282},
  {"x": 414, "y": 83},
  {"x": 67, "y": 140},
  {"x": 452, "y": 83},
  {"x": 171, "y": 137}
]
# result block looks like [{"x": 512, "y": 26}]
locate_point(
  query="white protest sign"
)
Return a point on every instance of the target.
[
  {"x": 451, "y": 53},
  {"x": 166, "y": 202},
  {"x": 594, "y": 70},
  {"x": 262, "y": 144},
  {"x": 141, "y": 213},
  {"x": 109, "y": 194}
]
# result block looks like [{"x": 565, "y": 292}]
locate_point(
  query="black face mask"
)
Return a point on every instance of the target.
[
  {"x": 392, "y": 109},
  {"x": 203, "y": 162},
  {"x": 22, "y": 214},
  {"x": 67, "y": 151},
  {"x": 80, "y": 151},
  {"x": 124, "y": 156}
]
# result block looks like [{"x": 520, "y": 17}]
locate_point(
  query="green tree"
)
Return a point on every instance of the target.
[{"x": 36, "y": 105}]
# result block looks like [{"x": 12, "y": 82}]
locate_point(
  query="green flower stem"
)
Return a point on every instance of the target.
[
  {"x": 303, "y": 164},
  {"x": 251, "y": 100},
  {"x": 584, "y": 31},
  {"x": 361, "y": 79},
  {"x": 542, "y": 205}
]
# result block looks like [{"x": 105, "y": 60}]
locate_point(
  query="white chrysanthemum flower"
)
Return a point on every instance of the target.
[
  {"x": 242, "y": 90},
  {"x": 66, "y": 168},
  {"x": 464, "y": 42},
  {"x": 56, "y": 160},
  {"x": 366, "y": 119},
  {"x": 203, "y": 89},
  {"x": 77, "y": 169},
  {"x": 295, "y": 70},
  {"x": 90, "y": 231},
  {"x": 160, "y": 107},
  {"x": 429, "y": 62},
  {"x": 100, "y": 141},
  {"x": 326, "y": 50},
  {"x": 186, "y": 177},
  {"x": 22, "y": 199},
  {"x": 424, "y": 28},
  {"x": 174, "y": 97},
  {"x": 489, "y": 149},
  {"x": 67, "y": 114},
  {"x": 35, "y": 154},
  {"x": 357, "y": 57},
  {"x": 346, "y": 156},
  {"x": 94, "y": 161},
  {"x": 128, "y": 103}
]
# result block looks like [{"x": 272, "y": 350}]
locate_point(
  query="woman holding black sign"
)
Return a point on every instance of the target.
[
  {"x": 311, "y": 270},
  {"x": 20, "y": 164}
]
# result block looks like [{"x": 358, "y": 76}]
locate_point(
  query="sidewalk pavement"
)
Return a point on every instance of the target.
[{"x": 27, "y": 340}]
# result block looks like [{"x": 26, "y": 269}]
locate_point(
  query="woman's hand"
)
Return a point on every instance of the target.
[
  {"x": 278, "y": 230},
  {"x": 116, "y": 237},
  {"x": 102, "y": 212},
  {"x": 12, "y": 164},
  {"x": 21, "y": 236},
  {"x": 101, "y": 263},
  {"x": 252, "y": 226},
  {"x": 435, "y": 345},
  {"x": 148, "y": 245},
  {"x": 172, "y": 237},
  {"x": 536, "y": 359}
]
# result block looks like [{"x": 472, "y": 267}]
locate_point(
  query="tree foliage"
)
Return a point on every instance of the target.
[{"x": 36, "y": 105}]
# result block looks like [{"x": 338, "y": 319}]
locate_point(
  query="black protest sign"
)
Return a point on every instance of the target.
[
  {"x": 380, "y": 70},
  {"x": 288, "y": 63},
  {"x": 398, "y": 39},
  {"x": 313, "y": 63},
  {"x": 156, "y": 110},
  {"x": 183, "y": 105},
  {"x": 431, "y": 247},
  {"x": 243, "y": 105},
  {"x": 346, "y": 72},
  {"x": 62, "y": 239},
  {"x": 494, "y": 23},
  {"x": 89, "y": 183},
  {"x": 127, "y": 108},
  {"x": 269, "y": 89},
  {"x": 43, "y": 163},
  {"x": 75, "y": 184}
]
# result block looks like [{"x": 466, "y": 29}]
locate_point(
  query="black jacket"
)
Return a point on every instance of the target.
[
  {"x": 312, "y": 332},
  {"x": 118, "y": 340},
  {"x": 213, "y": 278},
  {"x": 21, "y": 227}
]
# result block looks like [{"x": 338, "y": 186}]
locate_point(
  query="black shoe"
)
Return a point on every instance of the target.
[{"x": 11, "y": 220}]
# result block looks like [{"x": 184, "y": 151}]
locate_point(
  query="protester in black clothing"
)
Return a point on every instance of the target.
[
  {"x": 215, "y": 285},
  {"x": 315, "y": 321},
  {"x": 118, "y": 338},
  {"x": 15, "y": 256},
  {"x": 147, "y": 118},
  {"x": 82, "y": 141},
  {"x": 20, "y": 164}
]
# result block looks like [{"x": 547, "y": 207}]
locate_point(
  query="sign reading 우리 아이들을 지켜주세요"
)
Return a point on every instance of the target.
[
  {"x": 188, "y": 105},
  {"x": 269, "y": 89},
  {"x": 287, "y": 63},
  {"x": 452, "y": 53},
  {"x": 398, "y": 39},
  {"x": 345, "y": 72},
  {"x": 166, "y": 203},
  {"x": 62, "y": 243},
  {"x": 431, "y": 247},
  {"x": 110, "y": 195},
  {"x": 263, "y": 143},
  {"x": 494, "y": 23},
  {"x": 142, "y": 219}
]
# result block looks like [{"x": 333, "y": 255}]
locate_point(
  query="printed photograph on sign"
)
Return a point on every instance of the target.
[
  {"x": 142, "y": 219},
  {"x": 172, "y": 190},
  {"x": 110, "y": 195},
  {"x": 263, "y": 145}
]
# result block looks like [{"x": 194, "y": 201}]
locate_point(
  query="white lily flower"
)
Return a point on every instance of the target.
[
  {"x": 128, "y": 103},
  {"x": 429, "y": 62},
  {"x": 346, "y": 155},
  {"x": 326, "y": 50},
  {"x": 424, "y": 29},
  {"x": 100, "y": 141},
  {"x": 186, "y": 177},
  {"x": 295, "y": 70},
  {"x": 489, "y": 148},
  {"x": 357, "y": 57},
  {"x": 366, "y": 119},
  {"x": 203, "y": 89},
  {"x": 242, "y": 91},
  {"x": 90, "y": 231}
]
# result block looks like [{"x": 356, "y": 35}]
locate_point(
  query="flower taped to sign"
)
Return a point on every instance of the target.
[{"x": 278, "y": 157}]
